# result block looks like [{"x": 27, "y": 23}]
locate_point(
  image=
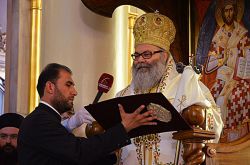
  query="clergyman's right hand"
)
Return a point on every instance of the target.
[{"x": 136, "y": 119}]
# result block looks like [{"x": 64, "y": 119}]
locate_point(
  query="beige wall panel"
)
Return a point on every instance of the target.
[{"x": 84, "y": 41}]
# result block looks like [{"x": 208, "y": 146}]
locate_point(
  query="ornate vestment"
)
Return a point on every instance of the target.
[
  {"x": 182, "y": 90},
  {"x": 232, "y": 95}
]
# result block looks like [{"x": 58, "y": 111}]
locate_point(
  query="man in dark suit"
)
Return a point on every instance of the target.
[{"x": 43, "y": 140}]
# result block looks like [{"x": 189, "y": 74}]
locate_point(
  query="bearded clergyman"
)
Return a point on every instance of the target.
[
  {"x": 9, "y": 128},
  {"x": 154, "y": 70}
]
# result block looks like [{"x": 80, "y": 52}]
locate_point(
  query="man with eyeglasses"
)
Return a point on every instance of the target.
[
  {"x": 154, "y": 70},
  {"x": 9, "y": 128}
]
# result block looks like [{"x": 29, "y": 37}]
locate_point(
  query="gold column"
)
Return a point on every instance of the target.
[
  {"x": 131, "y": 22},
  {"x": 36, "y": 16}
]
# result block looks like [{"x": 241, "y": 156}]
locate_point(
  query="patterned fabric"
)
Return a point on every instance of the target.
[
  {"x": 238, "y": 105},
  {"x": 151, "y": 143},
  {"x": 216, "y": 90}
]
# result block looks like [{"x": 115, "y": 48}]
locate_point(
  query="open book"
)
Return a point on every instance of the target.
[{"x": 242, "y": 68}]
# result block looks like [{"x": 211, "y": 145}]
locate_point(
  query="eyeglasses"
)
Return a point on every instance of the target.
[
  {"x": 146, "y": 55},
  {"x": 5, "y": 136}
]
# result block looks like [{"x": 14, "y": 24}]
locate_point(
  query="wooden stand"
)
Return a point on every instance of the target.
[
  {"x": 94, "y": 129},
  {"x": 194, "y": 140}
]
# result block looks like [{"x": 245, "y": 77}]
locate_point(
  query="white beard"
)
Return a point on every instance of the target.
[{"x": 147, "y": 76}]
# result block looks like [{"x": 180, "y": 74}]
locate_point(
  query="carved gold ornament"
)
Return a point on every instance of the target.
[
  {"x": 155, "y": 29},
  {"x": 160, "y": 112}
]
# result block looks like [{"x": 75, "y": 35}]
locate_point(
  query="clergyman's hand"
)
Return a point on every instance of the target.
[{"x": 136, "y": 119}]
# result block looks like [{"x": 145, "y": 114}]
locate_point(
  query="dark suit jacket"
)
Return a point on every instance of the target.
[{"x": 43, "y": 140}]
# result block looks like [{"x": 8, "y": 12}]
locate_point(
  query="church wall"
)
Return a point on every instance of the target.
[{"x": 86, "y": 42}]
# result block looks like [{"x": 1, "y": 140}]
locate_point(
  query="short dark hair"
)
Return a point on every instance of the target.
[{"x": 49, "y": 73}]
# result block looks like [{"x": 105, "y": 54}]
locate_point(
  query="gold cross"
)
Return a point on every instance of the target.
[{"x": 182, "y": 100}]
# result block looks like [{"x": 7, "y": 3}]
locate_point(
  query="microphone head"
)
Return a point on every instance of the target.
[{"x": 105, "y": 82}]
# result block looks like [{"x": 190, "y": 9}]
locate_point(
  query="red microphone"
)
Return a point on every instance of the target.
[{"x": 104, "y": 84}]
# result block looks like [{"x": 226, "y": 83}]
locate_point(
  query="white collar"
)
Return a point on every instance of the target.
[{"x": 43, "y": 102}]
